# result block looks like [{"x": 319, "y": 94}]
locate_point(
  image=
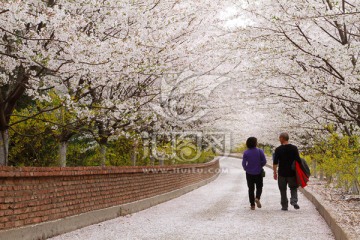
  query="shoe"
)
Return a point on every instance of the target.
[
  {"x": 252, "y": 207},
  {"x": 284, "y": 209},
  {"x": 258, "y": 203},
  {"x": 296, "y": 206}
]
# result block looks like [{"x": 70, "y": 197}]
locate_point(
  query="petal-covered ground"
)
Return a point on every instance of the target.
[{"x": 219, "y": 210}]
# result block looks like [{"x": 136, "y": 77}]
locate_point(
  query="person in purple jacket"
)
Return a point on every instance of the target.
[{"x": 253, "y": 162}]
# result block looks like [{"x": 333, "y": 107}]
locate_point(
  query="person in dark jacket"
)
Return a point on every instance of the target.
[
  {"x": 284, "y": 157},
  {"x": 253, "y": 162}
]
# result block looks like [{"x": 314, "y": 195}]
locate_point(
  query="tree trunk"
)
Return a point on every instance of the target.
[
  {"x": 152, "y": 160},
  {"x": 102, "y": 154},
  {"x": 4, "y": 147},
  {"x": 161, "y": 161},
  {"x": 104, "y": 134},
  {"x": 62, "y": 153},
  {"x": 133, "y": 157},
  {"x": 314, "y": 169},
  {"x": 321, "y": 174},
  {"x": 150, "y": 152},
  {"x": 134, "y": 153},
  {"x": 355, "y": 186},
  {"x": 328, "y": 178},
  {"x": 355, "y": 189}
]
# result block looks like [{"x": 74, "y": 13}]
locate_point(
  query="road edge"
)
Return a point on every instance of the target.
[
  {"x": 337, "y": 230},
  {"x": 57, "y": 227}
]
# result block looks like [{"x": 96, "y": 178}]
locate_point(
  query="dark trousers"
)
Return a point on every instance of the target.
[
  {"x": 253, "y": 180},
  {"x": 283, "y": 183}
]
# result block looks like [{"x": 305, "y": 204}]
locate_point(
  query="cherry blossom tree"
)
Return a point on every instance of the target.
[
  {"x": 99, "y": 57},
  {"x": 301, "y": 60}
]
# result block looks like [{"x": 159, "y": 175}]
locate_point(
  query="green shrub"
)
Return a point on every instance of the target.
[{"x": 339, "y": 158}]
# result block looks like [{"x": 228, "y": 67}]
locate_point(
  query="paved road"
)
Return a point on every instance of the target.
[{"x": 219, "y": 210}]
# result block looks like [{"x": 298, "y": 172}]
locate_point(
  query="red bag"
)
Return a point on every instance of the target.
[{"x": 301, "y": 177}]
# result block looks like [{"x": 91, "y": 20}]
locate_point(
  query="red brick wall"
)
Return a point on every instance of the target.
[{"x": 30, "y": 195}]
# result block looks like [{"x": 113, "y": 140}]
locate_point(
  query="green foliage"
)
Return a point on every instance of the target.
[
  {"x": 339, "y": 158},
  {"x": 82, "y": 151},
  {"x": 185, "y": 151},
  {"x": 35, "y": 139},
  {"x": 31, "y": 143},
  {"x": 206, "y": 156},
  {"x": 240, "y": 148},
  {"x": 268, "y": 150},
  {"x": 120, "y": 153}
]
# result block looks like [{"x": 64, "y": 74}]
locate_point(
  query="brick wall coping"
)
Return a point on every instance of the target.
[{"x": 8, "y": 171}]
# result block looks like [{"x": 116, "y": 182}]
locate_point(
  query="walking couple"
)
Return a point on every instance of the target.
[{"x": 253, "y": 162}]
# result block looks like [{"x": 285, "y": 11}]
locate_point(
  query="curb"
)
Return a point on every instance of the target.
[
  {"x": 231, "y": 155},
  {"x": 338, "y": 232},
  {"x": 53, "y": 228}
]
